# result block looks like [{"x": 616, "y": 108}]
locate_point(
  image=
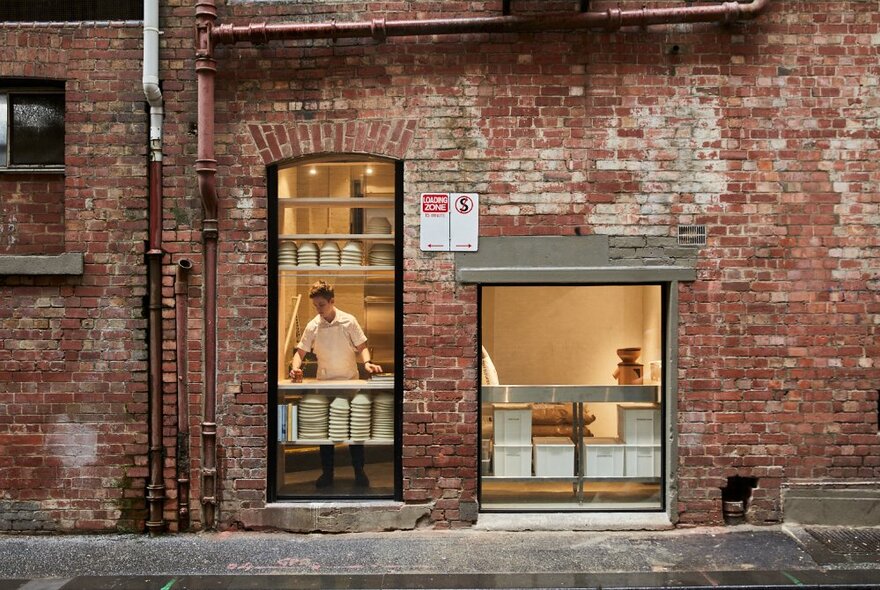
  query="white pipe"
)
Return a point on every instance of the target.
[{"x": 151, "y": 76}]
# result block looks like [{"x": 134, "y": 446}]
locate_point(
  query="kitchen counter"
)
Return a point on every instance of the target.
[
  {"x": 315, "y": 384},
  {"x": 569, "y": 393}
]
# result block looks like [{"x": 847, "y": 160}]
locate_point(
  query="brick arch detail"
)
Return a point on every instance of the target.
[{"x": 389, "y": 138}]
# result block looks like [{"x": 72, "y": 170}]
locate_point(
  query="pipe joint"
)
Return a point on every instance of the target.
[
  {"x": 614, "y": 19},
  {"x": 209, "y": 500},
  {"x": 206, "y": 9},
  {"x": 378, "y": 29},
  {"x": 204, "y": 41},
  {"x": 259, "y": 33}
]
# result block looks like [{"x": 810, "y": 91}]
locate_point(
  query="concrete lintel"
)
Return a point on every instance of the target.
[
  {"x": 337, "y": 517},
  {"x": 576, "y": 274},
  {"x": 570, "y": 521},
  {"x": 69, "y": 263}
]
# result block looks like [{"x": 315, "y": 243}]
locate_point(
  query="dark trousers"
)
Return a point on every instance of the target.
[{"x": 328, "y": 457}]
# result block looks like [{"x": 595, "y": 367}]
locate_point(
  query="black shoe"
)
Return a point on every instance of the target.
[
  {"x": 361, "y": 480},
  {"x": 325, "y": 481}
]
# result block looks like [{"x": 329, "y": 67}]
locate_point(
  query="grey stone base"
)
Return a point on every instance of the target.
[
  {"x": 572, "y": 521},
  {"x": 337, "y": 517},
  {"x": 832, "y": 504}
]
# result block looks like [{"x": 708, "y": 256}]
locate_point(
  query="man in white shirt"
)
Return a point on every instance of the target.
[{"x": 338, "y": 341}]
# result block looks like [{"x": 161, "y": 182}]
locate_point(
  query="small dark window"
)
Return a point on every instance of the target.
[
  {"x": 31, "y": 127},
  {"x": 37, "y": 129},
  {"x": 79, "y": 10}
]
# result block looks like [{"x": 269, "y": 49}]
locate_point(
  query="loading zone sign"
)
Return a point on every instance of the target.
[{"x": 449, "y": 222}]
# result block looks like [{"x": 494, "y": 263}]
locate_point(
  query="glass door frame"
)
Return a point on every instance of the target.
[
  {"x": 272, "y": 356},
  {"x": 665, "y": 451}
]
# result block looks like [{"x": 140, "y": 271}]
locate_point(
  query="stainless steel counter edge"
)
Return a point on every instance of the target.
[{"x": 569, "y": 393}]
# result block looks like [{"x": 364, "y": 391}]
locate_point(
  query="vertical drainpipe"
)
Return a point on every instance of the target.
[
  {"x": 181, "y": 318},
  {"x": 152, "y": 92},
  {"x": 206, "y": 168}
]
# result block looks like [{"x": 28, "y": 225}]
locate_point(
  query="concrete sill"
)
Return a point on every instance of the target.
[
  {"x": 337, "y": 517},
  {"x": 69, "y": 263},
  {"x": 574, "y": 521}
]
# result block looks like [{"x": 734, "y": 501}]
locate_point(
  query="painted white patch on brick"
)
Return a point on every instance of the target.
[
  {"x": 74, "y": 444},
  {"x": 668, "y": 151}
]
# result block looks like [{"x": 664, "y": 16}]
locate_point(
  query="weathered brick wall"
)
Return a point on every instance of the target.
[
  {"x": 72, "y": 349},
  {"x": 32, "y": 214},
  {"x": 765, "y": 132}
]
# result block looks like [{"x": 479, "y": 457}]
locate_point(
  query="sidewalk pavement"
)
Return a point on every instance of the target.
[{"x": 724, "y": 557}]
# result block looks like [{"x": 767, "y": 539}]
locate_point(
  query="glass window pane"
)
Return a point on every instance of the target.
[
  {"x": 4, "y": 107},
  {"x": 576, "y": 426},
  {"x": 336, "y": 430},
  {"x": 37, "y": 129}
]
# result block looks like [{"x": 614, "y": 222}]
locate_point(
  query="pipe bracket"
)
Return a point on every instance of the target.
[
  {"x": 732, "y": 12},
  {"x": 378, "y": 30}
]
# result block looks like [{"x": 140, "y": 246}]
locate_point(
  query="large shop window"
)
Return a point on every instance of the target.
[
  {"x": 335, "y": 418},
  {"x": 571, "y": 398}
]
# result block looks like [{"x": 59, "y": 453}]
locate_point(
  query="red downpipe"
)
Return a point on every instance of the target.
[
  {"x": 611, "y": 19},
  {"x": 207, "y": 36},
  {"x": 206, "y": 168},
  {"x": 181, "y": 318},
  {"x": 156, "y": 485}
]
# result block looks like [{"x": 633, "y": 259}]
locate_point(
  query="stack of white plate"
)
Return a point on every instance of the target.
[
  {"x": 383, "y": 416},
  {"x": 383, "y": 379},
  {"x": 382, "y": 255},
  {"x": 287, "y": 252},
  {"x": 352, "y": 254},
  {"x": 313, "y": 417},
  {"x": 307, "y": 255},
  {"x": 360, "y": 417},
  {"x": 339, "y": 419},
  {"x": 330, "y": 254},
  {"x": 379, "y": 225}
]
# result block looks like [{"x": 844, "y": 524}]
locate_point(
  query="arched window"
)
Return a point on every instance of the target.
[{"x": 335, "y": 290}]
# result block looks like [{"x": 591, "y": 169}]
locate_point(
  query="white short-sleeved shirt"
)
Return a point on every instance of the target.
[{"x": 335, "y": 344}]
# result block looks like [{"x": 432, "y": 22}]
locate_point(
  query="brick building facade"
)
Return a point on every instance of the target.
[{"x": 764, "y": 132}]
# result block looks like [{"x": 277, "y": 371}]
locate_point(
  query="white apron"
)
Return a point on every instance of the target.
[{"x": 336, "y": 358}]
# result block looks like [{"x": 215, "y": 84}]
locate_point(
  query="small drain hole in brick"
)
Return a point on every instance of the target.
[{"x": 735, "y": 498}]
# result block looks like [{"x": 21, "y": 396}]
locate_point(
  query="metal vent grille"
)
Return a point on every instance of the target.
[
  {"x": 70, "y": 11},
  {"x": 692, "y": 235},
  {"x": 848, "y": 541}
]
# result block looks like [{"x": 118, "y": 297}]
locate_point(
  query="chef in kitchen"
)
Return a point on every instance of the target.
[{"x": 338, "y": 341}]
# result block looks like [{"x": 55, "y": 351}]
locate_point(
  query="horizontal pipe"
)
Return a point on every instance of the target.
[{"x": 611, "y": 19}]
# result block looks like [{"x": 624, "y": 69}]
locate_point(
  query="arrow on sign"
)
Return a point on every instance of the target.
[{"x": 463, "y": 245}]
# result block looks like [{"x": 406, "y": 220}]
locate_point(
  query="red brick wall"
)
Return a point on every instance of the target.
[
  {"x": 72, "y": 349},
  {"x": 32, "y": 214},
  {"x": 765, "y": 132}
]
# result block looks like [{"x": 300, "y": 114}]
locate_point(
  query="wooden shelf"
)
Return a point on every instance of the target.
[
  {"x": 354, "y": 203},
  {"x": 314, "y": 442},
  {"x": 335, "y": 270},
  {"x": 332, "y": 237},
  {"x": 332, "y": 386}
]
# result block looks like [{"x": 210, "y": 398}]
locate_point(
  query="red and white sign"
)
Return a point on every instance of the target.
[
  {"x": 435, "y": 203},
  {"x": 464, "y": 222},
  {"x": 449, "y": 222},
  {"x": 434, "y": 235}
]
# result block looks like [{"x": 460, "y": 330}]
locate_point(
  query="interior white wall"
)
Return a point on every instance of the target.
[{"x": 569, "y": 335}]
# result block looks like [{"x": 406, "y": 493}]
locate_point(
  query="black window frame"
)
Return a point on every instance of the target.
[{"x": 10, "y": 89}]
